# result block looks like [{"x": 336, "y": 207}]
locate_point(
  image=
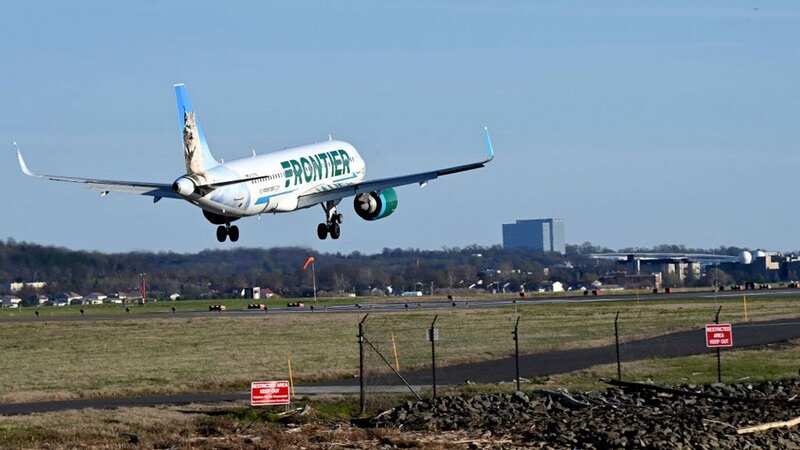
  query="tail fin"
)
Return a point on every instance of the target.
[{"x": 195, "y": 147}]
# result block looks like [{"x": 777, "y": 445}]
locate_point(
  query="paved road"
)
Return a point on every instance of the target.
[
  {"x": 12, "y": 409},
  {"x": 682, "y": 343},
  {"x": 410, "y": 305}
]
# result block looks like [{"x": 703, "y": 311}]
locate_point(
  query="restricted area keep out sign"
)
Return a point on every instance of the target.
[
  {"x": 264, "y": 393},
  {"x": 719, "y": 335}
]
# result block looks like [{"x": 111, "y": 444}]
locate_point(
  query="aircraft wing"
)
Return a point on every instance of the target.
[
  {"x": 155, "y": 190},
  {"x": 385, "y": 183}
]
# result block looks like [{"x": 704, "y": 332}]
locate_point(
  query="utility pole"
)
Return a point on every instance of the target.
[
  {"x": 143, "y": 286},
  {"x": 314, "y": 278},
  {"x": 516, "y": 350}
]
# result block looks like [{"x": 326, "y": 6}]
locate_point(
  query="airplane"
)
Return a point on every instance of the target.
[{"x": 278, "y": 182}]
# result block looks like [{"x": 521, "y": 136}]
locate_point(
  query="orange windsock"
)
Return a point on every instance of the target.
[{"x": 308, "y": 262}]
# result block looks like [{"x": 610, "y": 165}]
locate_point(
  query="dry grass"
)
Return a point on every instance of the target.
[
  {"x": 229, "y": 426},
  {"x": 235, "y": 426},
  {"x": 93, "y": 428},
  {"x": 49, "y": 360}
]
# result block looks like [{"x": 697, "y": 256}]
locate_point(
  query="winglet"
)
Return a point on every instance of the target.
[
  {"x": 489, "y": 146},
  {"x": 22, "y": 165}
]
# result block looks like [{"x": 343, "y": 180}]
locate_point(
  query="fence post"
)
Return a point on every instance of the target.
[
  {"x": 516, "y": 350},
  {"x": 719, "y": 357},
  {"x": 362, "y": 398},
  {"x": 616, "y": 342},
  {"x": 432, "y": 337}
]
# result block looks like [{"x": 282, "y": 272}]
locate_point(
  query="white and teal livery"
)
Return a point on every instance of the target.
[{"x": 282, "y": 181}]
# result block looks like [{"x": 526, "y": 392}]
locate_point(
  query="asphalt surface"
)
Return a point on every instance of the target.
[
  {"x": 12, "y": 409},
  {"x": 409, "y": 304},
  {"x": 682, "y": 343}
]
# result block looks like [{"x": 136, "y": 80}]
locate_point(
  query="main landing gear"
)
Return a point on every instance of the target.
[
  {"x": 227, "y": 231},
  {"x": 332, "y": 222}
]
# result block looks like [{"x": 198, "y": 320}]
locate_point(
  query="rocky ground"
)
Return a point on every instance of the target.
[
  {"x": 627, "y": 416},
  {"x": 622, "y": 416}
]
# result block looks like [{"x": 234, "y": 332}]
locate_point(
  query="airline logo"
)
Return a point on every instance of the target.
[{"x": 316, "y": 167}]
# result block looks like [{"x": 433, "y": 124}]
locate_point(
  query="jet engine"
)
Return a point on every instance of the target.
[
  {"x": 375, "y": 205},
  {"x": 184, "y": 186}
]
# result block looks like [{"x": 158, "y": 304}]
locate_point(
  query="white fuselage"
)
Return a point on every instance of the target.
[{"x": 277, "y": 179}]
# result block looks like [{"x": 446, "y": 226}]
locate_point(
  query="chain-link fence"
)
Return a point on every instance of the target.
[{"x": 463, "y": 345}]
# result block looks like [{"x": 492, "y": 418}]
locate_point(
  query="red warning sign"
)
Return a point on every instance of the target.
[
  {"x": 264, "y": 393},
  {"x": 719, "y": 335}
]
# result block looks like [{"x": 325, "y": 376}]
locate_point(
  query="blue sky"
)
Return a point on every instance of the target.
[{"x": 637, "y": 122}]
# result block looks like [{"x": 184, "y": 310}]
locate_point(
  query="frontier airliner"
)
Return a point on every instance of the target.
[{"x": 278, "y": 182}]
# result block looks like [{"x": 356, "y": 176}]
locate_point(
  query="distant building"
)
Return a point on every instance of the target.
[
  {"x": 18, "y": 286},
  {"x": 10, "y": 301},
  {"x": 96, "y": 298},
  {"x": 633, "y": 281},
  {"x": 128, "y": 297},
  {"x": 545, "y": 235},
  {"x": 683, "y": 268},
  {"x": 69, "y": 298},
  {"x": 762, "y": 267},
  {"x": 252, "y": 293}
]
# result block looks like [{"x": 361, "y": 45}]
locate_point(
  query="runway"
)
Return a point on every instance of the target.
[
  {"x": 683, "y": 343},
  {"x": 411, "y": 304}
]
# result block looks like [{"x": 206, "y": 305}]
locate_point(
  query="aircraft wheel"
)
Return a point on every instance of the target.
[
  {"x": 335, "y": 231},
  {"x": 222, "y": 233},
  {"x": 233, "y": 233},
  {"x": 322, "y": 231}
]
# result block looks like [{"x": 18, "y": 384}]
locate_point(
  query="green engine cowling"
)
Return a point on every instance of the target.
[{"x": 375, "y": 205}]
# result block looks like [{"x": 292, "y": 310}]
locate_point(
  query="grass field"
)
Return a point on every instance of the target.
[
  {"x": 163, "y": 307},
  {"x": 48, "y": 360},
  {"x": 237, "y": 426},
  {"x": 234, "y": 304}
]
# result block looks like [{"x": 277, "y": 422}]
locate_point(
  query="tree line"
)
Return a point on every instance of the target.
[{"x": 219, "y": 273}]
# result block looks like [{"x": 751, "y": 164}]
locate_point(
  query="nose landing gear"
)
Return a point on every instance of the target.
[
  {"x": 227, "y": 232},
  {"x": 331, "y": 225}
]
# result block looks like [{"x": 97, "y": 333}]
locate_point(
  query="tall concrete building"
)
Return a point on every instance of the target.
[{"x": 545, "y": 235}]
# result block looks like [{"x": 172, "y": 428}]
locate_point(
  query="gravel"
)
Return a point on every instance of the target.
[{"x": 618, "y": 417}]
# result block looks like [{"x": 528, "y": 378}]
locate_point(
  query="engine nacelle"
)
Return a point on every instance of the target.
[
  {"x": 184, "y": 186},
  {"x": 375, "y": 205}
]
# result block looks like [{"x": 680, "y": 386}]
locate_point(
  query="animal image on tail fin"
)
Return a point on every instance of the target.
[
  {"x": 191, "y": 146},
  {"x": 196, "y": 153}
]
